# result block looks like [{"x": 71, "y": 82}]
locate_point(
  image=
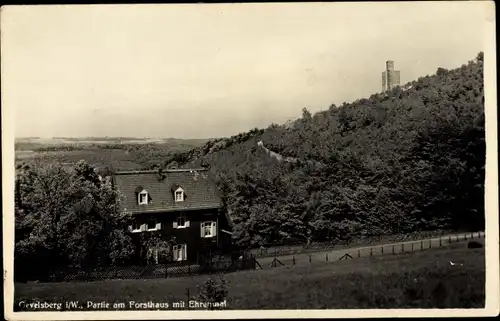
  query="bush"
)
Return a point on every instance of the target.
[
  {"x": 474, "y": 245},
  {"x": 213, "y": 292}
]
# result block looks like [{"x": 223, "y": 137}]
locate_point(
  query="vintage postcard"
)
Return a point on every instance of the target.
[{"x": 231, "y": 161}]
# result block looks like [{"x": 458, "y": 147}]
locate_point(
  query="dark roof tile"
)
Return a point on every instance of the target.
[{"x": 200, "y": 190}]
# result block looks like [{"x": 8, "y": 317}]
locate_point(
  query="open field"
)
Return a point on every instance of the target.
[
  {"x": 120, "y": 153},
  {"x": 421, "y": 279},
  {"x": 374, "y": 249}
]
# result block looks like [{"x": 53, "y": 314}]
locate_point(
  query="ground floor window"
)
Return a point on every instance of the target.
[{"x": 180, "y": 252}]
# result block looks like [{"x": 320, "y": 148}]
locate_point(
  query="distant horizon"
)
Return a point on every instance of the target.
[
  {"x": 114, "y": 137},
  {"x": 127, "y": 71}
]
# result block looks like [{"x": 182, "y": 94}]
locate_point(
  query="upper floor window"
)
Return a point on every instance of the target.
[
  {"x": 142, "y": 226},
  {"x": 142, "y": 197},
  {"x": 208, "y": 229},
  {"x": 153, "y": 225},
  {"x": 181, "y": 221},
  {"x": 135, "y": 227},
  {"x": 179, "y": 195}
]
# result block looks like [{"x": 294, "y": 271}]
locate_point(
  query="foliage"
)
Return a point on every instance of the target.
[
  {"x": 213, "y": 292},
  {"x": 411, "y": 159},
  {"x": 67, "y": 218}
]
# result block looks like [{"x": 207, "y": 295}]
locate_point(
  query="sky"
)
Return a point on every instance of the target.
[{"x": 199, "y": 71}]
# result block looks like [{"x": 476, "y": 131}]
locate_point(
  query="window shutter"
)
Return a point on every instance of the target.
[
  {"x": 144, "y": 227},
  {"x": 214, "y": 228},
  {"x": 175, "y": 252},
  {"x": 175, "y": 224},
  {"x": 187, "y": 223},
  {"x": 202, "y": 229},
  {"x": 158, "y": 225},
  {"x": 184, "y": 252},
  {"x": 130, "y": 228}
]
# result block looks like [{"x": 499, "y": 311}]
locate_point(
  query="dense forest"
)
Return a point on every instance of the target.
[{"x": 411, "y": 159}]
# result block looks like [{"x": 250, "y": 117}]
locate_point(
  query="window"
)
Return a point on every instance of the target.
[
  {"x": 179, "y": 195},
  {"x": 149, "y": 225},
  {"x": 143, "y": 197},
  {"x": 152, "y": 225},
  {"x": 208, "y": 229},
  {"x": 135, "y": 227},
  {"x": 180, "y": 252},
  {"x": 181, "y": 221}
]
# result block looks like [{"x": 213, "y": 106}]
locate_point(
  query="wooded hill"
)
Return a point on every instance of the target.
[{"x": 408, "y": 160}]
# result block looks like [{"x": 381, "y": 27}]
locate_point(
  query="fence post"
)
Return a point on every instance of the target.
[
  {"x": 421, "y": 245},
  {"x": 309, "y": 258},
  {"x": 294, "y": 260},
  {"x": 472, "y": 235},
  {"x": 359, "y": 253},
  {"x": 371, "y": 251},
  {"x": 440, "y": 242},
  {"x": 326, "y": 257},
  {"x": 393, "y": 250},
  {"x": 457, "y": 238},
  {"x": 430, "y": 243},
  {"x": 382, "y": 249},
  {"x": 449, "y": 239},
  {"x": 402, "y": 247}
]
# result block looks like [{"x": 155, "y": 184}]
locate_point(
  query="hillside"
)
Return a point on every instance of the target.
[{"x": 411, "y": 159}]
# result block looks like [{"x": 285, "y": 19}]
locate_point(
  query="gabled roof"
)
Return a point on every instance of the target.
[{"x": 200, "y": 190}]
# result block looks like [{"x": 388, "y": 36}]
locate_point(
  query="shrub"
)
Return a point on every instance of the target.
[
  {"x": 212, "y": 292},
  {"x": 474, "y": 245}
]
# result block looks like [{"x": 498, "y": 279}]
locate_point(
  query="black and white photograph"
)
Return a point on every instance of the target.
[{"x": 249, "y": 160}]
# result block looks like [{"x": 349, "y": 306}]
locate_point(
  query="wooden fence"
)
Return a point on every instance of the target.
[
  {"x": 329, "y": 255},
  {"x": 300, "y": 248}
]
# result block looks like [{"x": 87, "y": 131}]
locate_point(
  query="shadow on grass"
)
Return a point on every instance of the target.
[{"x": 413, "y": 280}]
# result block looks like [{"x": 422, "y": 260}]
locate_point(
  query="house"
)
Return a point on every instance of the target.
[{"x": 176, "y": 214}]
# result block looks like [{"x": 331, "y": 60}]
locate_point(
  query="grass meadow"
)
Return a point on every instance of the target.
[
  {"x": 421, "y": 279},
  {"x": 118, "y": 153}
]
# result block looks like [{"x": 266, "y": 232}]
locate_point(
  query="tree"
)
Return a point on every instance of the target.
[{"x": 68, "y": 217}]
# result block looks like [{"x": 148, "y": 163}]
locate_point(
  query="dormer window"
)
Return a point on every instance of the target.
[
  {"x": 179, "y": 195},
  {"x": 142, "y": 197}
]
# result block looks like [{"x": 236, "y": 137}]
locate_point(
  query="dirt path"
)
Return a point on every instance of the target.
[{"x": 372, "y": 250}]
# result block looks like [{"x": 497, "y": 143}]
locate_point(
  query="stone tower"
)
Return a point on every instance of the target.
[{"x": 390, "y": 77}]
